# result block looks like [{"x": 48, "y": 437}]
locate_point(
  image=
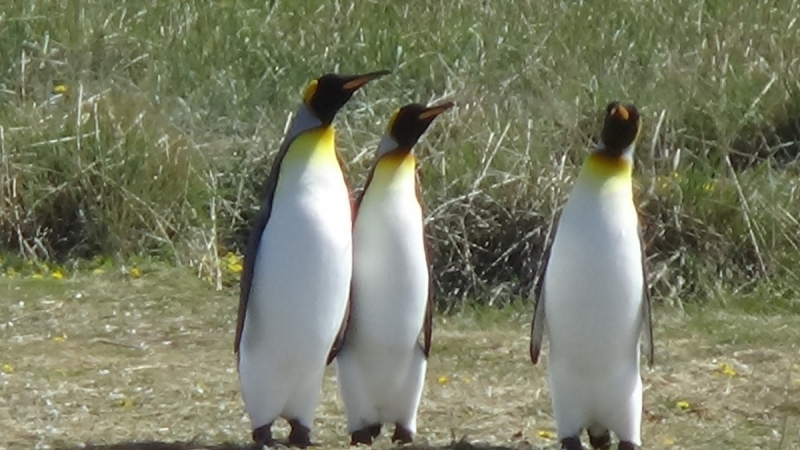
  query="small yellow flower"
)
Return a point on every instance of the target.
[
  {"x": 683, "y": 404},
  {"x": 442, "y": 379},
  {"x": 545, "y": 434},
  {"x": 135, "y": 272},
  {"x": 466, "y": 380},
  {"x": 60, "y": 88},
  {"x": 8, "y": 368},
  {"x": 235, "y": 268},
  {"x": 97, "y": 271},
  {"x": 675, "y": 174},
  {"x": 669, "y": 441},
  {"x": 126, "y": 402},
  {"x": 58, "y": 339},
  {"x": 37, "y": 276},
  {"x": 708, "y": 186},
  {"x": 726, "y": 369},
  {"x": 57, "y": 275}
]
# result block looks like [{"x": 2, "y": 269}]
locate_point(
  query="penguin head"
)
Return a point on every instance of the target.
[
  {"x": 407, "y": 124},
  {"x": 328, "y": 93},
  {"x": 620, "y": 130}
]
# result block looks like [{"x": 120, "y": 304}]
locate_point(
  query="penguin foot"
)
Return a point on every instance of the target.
[
  {"x": 262, "y": 436},
  {"x": 571, "y": 443},
  {"x": 374, "y": 430},
  {"x": 300, "y": 435},
  {"x": 600, "y": 441},
  {"x": 365, "y": 435},
  {"x": 402, "y": 435},
  {"x": 626, "y": 445}
]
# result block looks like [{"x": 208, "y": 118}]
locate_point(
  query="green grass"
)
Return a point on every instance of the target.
[
  {"x": 147, "y": 364},
  {"x": 173, "y": 111}
]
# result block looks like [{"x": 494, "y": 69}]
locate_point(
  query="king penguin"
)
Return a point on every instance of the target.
[
  {"x": 592, "y": 297},
  {"x": 297, "y": 269},
  {"x": 381, "y": 365}
]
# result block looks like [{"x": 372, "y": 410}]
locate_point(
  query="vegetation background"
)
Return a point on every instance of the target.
[
  {"x": 145, "y": 128},
  {"x": 135, "y": 136}
]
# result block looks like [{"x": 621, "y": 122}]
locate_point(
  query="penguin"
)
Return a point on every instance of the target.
[
  {"x": 592, "y": 297},
  {"x": 297, "y": 269},
  {"x": 382, "y": 363}
]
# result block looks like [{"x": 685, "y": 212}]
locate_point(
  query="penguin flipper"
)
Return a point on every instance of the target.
[
  {"x": 254, "y": 240},
  {"x": 647, "y": 317},
  {"x": 251, "y": 251},
  {"x": 427, "y": 324},
  {"x": 538, "y": 321},
  {"x": 339, "y": 341},
  {"x": 427, "y": 328}
]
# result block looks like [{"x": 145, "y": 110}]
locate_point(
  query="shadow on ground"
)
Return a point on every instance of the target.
[{"x": 458, "y": 445}]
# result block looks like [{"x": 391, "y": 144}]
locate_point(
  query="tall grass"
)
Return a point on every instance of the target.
[{"x": 147, "y": 127}]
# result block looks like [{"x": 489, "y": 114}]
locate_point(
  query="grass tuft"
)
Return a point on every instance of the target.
[{"x": 147, "y": 128}]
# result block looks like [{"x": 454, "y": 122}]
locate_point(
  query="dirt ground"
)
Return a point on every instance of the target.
[{"x": 107, "y": 362}]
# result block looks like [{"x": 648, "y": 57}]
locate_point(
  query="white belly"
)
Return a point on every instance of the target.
[
  {"x": 302, "y": 271},
  {"x": 390, "y": 273},
  {"x": 594, "y": 286}
]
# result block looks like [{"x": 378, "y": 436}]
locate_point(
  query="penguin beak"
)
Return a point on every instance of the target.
[
  {"x": 430, "y": 113},
  {"x": 354, "y": 82},
  {"x": 619, "y": 112}
]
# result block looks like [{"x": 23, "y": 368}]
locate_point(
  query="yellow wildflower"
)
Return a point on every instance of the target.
[
  {"x": 60, "y": 88},
  {"x": 235, "y": 267},
  {"x": 58, "y": 339},
  {"x": 97, "y": 271},
  {"x": 545, "y": 434},
  {"x": 126, "y": 402},
  {"x": 442, "y": 379},
  {"x": 683, "y": 404},
  {"x": 57, "y": 275},
  {"x": 669, "y": 441},
  {"x": 726, "y": 369},
  {"x": 37, "y": 276},
  {"x": 8, "y": 368},
  {"x": 135, "y": 272},
  {"x": 708, "y": 186}
]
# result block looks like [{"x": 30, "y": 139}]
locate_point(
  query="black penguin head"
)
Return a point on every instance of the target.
[
  {"x": 328, "y": 93},
  {"x": 621, "y": 128},
  {"x": 409, "y": 122}
]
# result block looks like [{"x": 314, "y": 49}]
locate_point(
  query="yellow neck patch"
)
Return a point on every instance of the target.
[
  {"x": 600, "y": 165},
  {"x": 314, "y": 147},
  {"x": 395, "y": 168},
  {"x": 607, "y": 172}
]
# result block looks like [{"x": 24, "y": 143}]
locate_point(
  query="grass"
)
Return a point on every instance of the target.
[
  {"x": 146, "y": 363},
  {"x": 135, "y": 135},
  {"x": 145, "y": 128}
]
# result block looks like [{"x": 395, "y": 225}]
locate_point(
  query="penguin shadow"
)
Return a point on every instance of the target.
[
  {"x": 463, "y": 444},
  {"x": 155, "y": 445}
]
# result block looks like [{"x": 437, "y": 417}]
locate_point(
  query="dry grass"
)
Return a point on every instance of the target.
[{"x": 146, "y": 364}]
